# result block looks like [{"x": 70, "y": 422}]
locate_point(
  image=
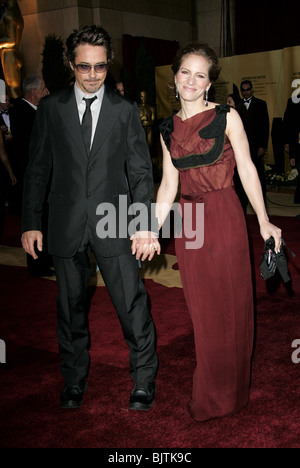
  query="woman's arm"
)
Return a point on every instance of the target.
[
  {"x": 168, "y": 188},
  {"x": 249, "y": 177}
]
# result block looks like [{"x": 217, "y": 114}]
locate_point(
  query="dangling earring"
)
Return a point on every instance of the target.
[
  {"x": 177, "y": 95},
  {"x": 206, "y": 98}
]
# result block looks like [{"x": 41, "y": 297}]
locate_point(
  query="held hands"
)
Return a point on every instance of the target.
[
  {"x": 144, "y": 245},
  {"x": 29, "y": 238}
]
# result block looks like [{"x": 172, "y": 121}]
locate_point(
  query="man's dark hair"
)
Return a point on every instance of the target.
[
  {"x": 91, "y": 35},
  {"x": 246, "y": 82}
]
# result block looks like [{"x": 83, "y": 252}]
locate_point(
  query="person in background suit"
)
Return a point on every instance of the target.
[
  {"x": 90, "y": 144},
  {"x": 5, "y": 126},
  {"x": 234, "y": 100},
  {"x": 5, "y": 120},
  {"x": 23, "y": 116},
  {"x": 5, "y": 171},
  {"x": 291, "y": 132},
  {"x": 255, "y": 117},
  {"x": 120, "y": 88}
]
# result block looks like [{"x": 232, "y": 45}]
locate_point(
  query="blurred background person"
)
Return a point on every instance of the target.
[
  {"x": 22, "y": 117},
  {"x": 234, "y": 100},
  {"x": 6, "y": 173},
  {"x": 22, "y": 120},
  {"x": 120, "y": 88},
  {"x": 255, "y": 117},
  {"x": 291, "y": 131}
]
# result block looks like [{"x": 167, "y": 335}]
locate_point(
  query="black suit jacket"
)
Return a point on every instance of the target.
[
  {"x": 8, "y": 145},
  {"x": 119, "y": 164},
  {"x": 256, "y": 123},
  {"x": 3, "y": 171},
  {"x": 22, "y": 116}
]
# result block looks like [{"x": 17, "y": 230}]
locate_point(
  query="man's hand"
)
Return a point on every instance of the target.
[
  {"x": 29, "y": 238},
  {"x": 144, "y": 245}
]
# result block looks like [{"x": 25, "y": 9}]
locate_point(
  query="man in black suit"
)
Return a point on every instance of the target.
[
  {"x": 22, "y": 117},
  {"x": 6, "y": 173},
  {"x": 291, "y": 131},
  {"x": 255, "y": 117},
  {"x": 90, "y": 142},
  {"x": 5, "y": 155}
]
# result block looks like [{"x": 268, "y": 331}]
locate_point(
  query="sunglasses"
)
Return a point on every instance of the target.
[
  {"x": 245, "y": 89},
  {"x": 83, "y": 68}
]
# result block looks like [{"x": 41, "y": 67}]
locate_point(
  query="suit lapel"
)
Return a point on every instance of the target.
[
  {"x": 68, "y": 111},
  {"x": 110, "y": 111},
  {"x": 252, "y": 104}
]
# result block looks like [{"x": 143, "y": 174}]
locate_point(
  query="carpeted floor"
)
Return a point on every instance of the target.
[{"x": 30, "y": 416}]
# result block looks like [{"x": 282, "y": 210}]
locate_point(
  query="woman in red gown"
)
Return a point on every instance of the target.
[{"x": 201, "y": 146}]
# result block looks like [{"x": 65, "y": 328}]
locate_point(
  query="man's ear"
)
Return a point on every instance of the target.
[{"x": 71, "y": 66}]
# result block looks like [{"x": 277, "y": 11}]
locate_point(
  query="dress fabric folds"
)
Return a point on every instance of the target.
[{"x": 216, "y": 277}]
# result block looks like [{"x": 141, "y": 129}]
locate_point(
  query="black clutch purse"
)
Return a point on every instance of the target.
[{"x": 271, "y": 261}]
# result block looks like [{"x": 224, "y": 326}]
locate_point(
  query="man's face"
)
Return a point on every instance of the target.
[
  {"x": 246, "y": 90},
  {"x": 40, "y": 92},
  {"x": 90, "y": 55}
]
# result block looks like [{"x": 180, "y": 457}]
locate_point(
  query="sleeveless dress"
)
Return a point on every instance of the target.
[{"x": 216, "y": 277}]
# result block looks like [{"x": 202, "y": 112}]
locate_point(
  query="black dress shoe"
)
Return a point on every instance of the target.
[
  {"x": 142, "y": 397},
  {"x": 72, "y": 395}
]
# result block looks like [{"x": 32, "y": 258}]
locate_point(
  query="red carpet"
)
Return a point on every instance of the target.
[{"x": 30, "y": 416}]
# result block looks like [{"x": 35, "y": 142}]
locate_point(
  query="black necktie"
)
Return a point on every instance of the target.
[{"x": 87, "y": 123}]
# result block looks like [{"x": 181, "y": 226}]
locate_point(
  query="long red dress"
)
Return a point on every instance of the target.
[{"x": 216, "y": 278}]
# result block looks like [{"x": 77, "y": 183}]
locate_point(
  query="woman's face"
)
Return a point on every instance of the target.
[
  {"x": 230, "y": 101},
  {"x": 192, "y": 79}
]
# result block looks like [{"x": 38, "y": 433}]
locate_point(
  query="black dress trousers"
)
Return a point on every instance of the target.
[{"x": 129, "y": 297}]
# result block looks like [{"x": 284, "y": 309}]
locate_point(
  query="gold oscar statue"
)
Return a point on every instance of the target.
[
  {"x": 11, "y": 29},
  {"x": 147, "y": 116}
]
